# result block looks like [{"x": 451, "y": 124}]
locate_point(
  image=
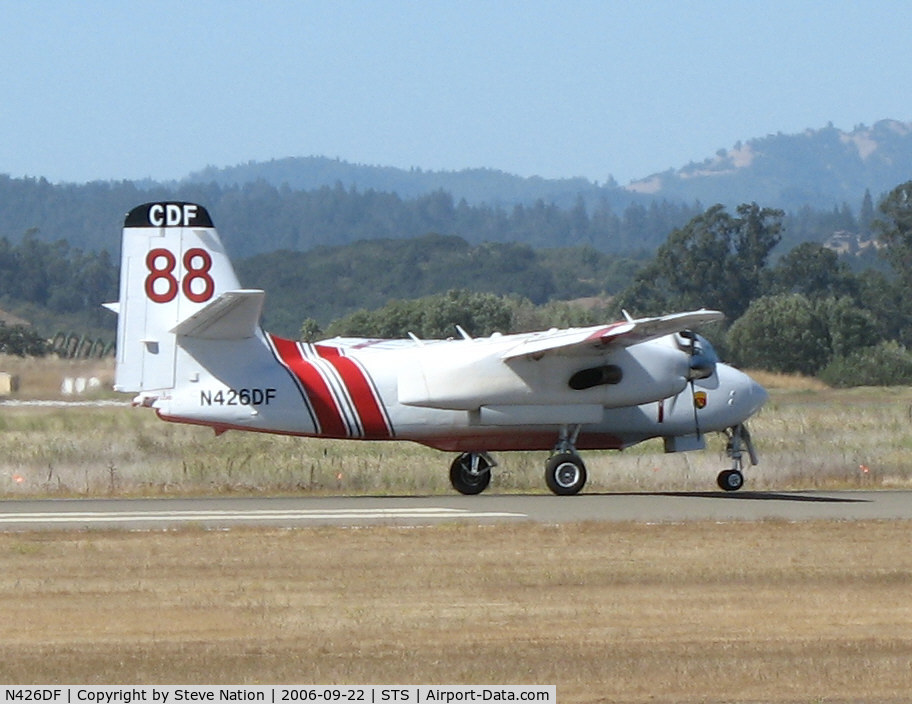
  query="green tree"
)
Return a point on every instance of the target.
[
  {"x": 849, "y": 328},
  {"x": 813, "y": 270},
  {"x": 894, "y": 229},
  {"x": 310, "y": 330},
  {"x": 885, "y": 298},
  {"x": 22, "y": 341},
  {"x": 32, "y": 277},
  {"x": 783, "y": 333},
  {"x": 867, "y": 215},
  {"x": 476, "y": 313},
  {"x": 716, "y": 261},
  {"x": 431, "y": 317},
  {"x": 886, "y": 364},
  {"x": 528, "y": 317}
]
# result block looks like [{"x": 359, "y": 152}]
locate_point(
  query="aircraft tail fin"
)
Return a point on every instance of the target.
[{"x": 175, "y": 279}]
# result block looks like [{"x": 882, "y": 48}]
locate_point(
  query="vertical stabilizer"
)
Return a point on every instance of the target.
[{"x": 172, "y": 266}]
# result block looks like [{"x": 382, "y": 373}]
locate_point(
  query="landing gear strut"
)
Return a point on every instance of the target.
[
  {"x": 738, "y": 440},
  {"x": 565, "y": 473},
  {"x": 470, "y": 473}
]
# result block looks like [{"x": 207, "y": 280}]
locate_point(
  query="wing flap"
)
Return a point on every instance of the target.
[
  {"x": 234, "y": 315},
  {"x": 621, "y": 334}
]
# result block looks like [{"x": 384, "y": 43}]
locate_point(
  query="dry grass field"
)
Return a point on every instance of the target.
[
  {"x": 44, "y": 378},
  {"x": 740, "y": 612},
  {"x": 770, "y": 612},
  {"x": 808, "y": 436}
]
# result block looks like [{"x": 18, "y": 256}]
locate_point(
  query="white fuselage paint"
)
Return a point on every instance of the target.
[{"x": 518, "y": 405}]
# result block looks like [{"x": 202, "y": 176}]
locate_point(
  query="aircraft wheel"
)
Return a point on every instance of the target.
[
  {"x": 467, "y": 479},
  {"x": 730, "y": 480},
  {"x": 565, "y": 473}
]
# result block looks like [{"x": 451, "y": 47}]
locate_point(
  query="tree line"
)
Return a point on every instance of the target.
[
  {"x": 806, "y": 313},
  {"x": 805, "y": 310},
  {"x": 52, "y": 281},
  {"x": 255, "y": 218},
  {"x": 258, "y": 217},
  {"x": 328, "y": 283}
]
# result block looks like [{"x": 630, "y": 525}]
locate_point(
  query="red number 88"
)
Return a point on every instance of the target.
[{"x": 197, "y": 263}]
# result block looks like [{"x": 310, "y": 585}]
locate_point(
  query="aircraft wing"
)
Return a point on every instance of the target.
[{"x": 622, "y": 334}]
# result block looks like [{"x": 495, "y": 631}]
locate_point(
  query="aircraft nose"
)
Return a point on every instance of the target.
[
  {"x": 748, "y": 396},
  {"x": 758, "y": 394},
  {"x": 745, "y": 396}
]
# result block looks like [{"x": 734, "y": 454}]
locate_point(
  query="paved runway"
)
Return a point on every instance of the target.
[{"x": 222, "y": 513}]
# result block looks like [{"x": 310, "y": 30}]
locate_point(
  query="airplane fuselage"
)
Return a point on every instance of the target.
[{"x": 454, "y": 395}]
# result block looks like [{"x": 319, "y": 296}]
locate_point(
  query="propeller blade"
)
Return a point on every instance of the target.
[{"x": 696, "y": 407}]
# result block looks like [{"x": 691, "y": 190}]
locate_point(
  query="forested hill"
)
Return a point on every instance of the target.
[
  {"x": 475, "y": 186},
  {"x": 259, "y": 217},
  {"x": 817, "y": 168}
]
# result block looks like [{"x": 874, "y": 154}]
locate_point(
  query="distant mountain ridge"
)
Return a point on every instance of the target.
[
  {"x": 301, "y": 203},
  {"x": 820, "y": 168}
]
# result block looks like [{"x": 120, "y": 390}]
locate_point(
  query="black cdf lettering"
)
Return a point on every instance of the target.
[{"x": 172, "y": 214}]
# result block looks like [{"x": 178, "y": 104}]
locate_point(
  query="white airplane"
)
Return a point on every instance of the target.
[{"x": 189, "y": 342}]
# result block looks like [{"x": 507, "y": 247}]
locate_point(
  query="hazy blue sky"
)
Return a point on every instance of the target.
[{"x": 110, "y": 90}]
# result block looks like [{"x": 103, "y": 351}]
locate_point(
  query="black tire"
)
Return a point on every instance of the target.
[
  {"x": 730, "y": 480},
  {"x": 565, "y": 474},
  {"x": 464, "y": 480}
]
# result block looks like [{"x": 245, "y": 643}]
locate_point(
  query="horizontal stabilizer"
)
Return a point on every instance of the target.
[
  {"x": 620, "y": 334},
  {"x": 234, "y": 315}
]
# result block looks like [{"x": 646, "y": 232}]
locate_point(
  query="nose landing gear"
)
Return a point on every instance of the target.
[{"x": 738, "y": 438}]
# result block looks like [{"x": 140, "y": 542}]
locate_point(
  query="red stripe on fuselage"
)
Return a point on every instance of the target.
[
  {"x": 364, "y": 397},
  {"x": 318, "y": 393}
]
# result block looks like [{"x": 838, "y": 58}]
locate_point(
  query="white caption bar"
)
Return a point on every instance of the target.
[{"x": 278, "y": 694}]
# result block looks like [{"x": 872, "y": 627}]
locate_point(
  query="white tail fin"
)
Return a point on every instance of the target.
[{"x": 173, "y": 276}]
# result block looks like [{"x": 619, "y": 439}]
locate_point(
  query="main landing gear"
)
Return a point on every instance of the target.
[
  {"x": 738, "y": 440},
  {"x": 565, "y": 473},
  {"x": 470, "y": 473}
]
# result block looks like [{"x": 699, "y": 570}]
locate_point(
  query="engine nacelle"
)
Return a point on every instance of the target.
[{"x": 465, "y": 378}]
